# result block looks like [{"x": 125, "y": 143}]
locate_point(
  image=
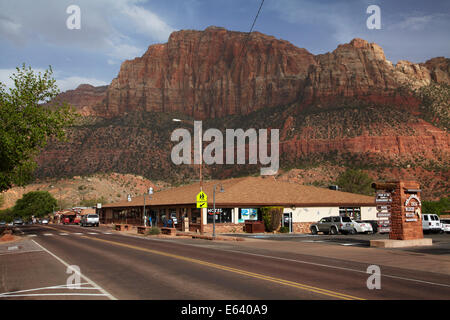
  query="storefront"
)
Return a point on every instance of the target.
[{"x": 241, "y": 201}]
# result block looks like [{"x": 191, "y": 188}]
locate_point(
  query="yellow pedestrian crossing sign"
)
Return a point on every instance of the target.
[{"x": 202, "y": 200}]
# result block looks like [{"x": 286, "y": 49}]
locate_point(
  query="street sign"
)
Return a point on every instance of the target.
[
  {"x": 202, "y": 204},
  {"x": 202, "y": 200}
]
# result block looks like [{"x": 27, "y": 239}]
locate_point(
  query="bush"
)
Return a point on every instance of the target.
[
  {"x": 284, "y": 230},
  {"x": 153, "y": 231},
  {"x": 272, "y": 217}
]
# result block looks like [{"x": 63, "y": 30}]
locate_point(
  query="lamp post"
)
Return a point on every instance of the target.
[
  {"x": 199, "y": 134},
  {"x": 214, "y": 207},
  {"x": 150, "y": 192}
]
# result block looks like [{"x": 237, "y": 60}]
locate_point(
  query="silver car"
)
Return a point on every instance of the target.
[{"x": 333, "y": 225}]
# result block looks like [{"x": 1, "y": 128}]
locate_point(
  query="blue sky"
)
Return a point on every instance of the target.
[{"x": 35, "y": 32}]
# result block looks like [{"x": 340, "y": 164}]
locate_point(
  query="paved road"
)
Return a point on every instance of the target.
[
  {"x": 441, "y": 242},
  {"x": 116, "y": 266}
]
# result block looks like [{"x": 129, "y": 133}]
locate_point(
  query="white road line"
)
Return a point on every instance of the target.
[
  {"x": 63, "y": 234},
  {"x": 77, "y": 233},
  {"x": 349, "y": 244},
  {"x": 303, "y": 262},
  {"x": 106, "y": 293},
  {"x": 55, "y": 294},
  {"x": 32, "y": 235},
  {"x": 92, "y": 233},
  {"x": 48, "y": 234},
  {"x": 107, "y": 232},
  {"x": 13, "y": 248}
]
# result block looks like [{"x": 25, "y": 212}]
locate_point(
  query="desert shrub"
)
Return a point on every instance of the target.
[
  {"x": 272, "y": 217},
  {"x": 153, "y": 231}
]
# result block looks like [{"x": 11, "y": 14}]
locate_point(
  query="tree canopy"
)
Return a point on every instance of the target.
[
  {"x": 35, "y": 203},
  {"x": 355, "y": 181},
  {"x": 29, "y": 117}
]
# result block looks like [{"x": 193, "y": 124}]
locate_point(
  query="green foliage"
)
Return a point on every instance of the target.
[
  {"x": 35, "y": 203},
  {"x": 27, "y": 123},
  {"x": 355, "y": 181},
  {"x": 2, "y": 200},
  {"x": 272, "y": 217},
  {"x": 284, "y": 229},
  {"x": 7, "y": 215},
  {"x": 435, "y": 106},
  {"x": 436, "y": 207},
  {"x": 154, "y": 231}
]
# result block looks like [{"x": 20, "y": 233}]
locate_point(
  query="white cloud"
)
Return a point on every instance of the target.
[
  {"x": 106, "y": 26},
  {"x": 63, "y": 83}
]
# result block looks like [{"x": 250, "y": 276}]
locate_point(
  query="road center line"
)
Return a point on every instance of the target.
[
  {"x": 92, "y": 283},
  {"x": 300, "y": 261},
  {"x": 238, "y": 271}
]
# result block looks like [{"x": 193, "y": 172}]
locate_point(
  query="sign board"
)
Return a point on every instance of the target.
[
  {"x": 383, "y": 197},
  {"x": 202, "y": 200},
  {"x": 211, "y": 211}
]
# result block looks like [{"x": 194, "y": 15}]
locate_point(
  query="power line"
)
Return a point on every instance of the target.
[{"x": 251, "y": 29}]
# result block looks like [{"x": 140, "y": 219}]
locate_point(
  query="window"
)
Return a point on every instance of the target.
[
  {"x": 352, "y": 212},
  {"x": 425, "y": 218},
  {"x": 336, "y": 219},
  {"x": 249, "y": 214},
  {"x": 222, "y": 215},
  {"x": 346, "y": 219},
  {"x": 324, "y": 220}
]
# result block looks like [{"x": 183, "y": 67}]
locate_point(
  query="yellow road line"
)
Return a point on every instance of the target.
[{"x": 234, "y": 270}]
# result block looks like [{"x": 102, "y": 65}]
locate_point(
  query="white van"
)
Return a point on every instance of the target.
[{"x": 431, "y": 223}]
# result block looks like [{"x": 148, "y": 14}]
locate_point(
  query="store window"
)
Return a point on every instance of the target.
[
  {"x": 196, "y": 216},
  {"x": 352, "y": 212},
  {"x": 249, "y": 214},
  {"x": 223, "y": 215}
]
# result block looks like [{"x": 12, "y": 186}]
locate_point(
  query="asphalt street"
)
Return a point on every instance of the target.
[{"x": 117, "y": 266}]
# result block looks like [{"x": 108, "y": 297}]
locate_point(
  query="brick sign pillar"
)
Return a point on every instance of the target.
[{"x": 403, "y": 197}]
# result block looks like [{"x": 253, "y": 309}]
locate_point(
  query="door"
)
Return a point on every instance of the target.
[{"x": 287, "y": 220}]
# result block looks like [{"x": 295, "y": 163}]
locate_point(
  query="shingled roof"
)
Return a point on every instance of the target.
[{"x": 252, "y": 191}]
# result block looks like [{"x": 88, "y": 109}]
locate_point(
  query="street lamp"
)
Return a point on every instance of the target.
[
  {"x": 214, "y": 207},
  {"x": 150, "y": 192},
  {"x": 199, "y": 134}
]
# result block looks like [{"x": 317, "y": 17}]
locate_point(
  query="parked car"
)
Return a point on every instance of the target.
[
  {"x": 333, "y": 225},
  {"x": 431, "y": 223},
  {"x": 373, "y": 223},
  {"x": 2, "y": 223},
  {"x": 44, "y": 221},
  {"x": 362, "y": 227},
  {"x": 445, "y": 225},
  {"x": 18, "y": 222},
  {"x": 90, "y": 220}
]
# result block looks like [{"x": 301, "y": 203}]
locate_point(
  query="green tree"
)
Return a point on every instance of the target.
[
  {"x": 436, "y": 207},
  {"x": 35, "y": 203},
  {"x": 28, "y": 121},
  {"x": 272, "y": 217},
  {"x": 355, "y": 181}
]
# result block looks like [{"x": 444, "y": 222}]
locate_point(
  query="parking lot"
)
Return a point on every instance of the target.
[{"x": 441, "y": 242}]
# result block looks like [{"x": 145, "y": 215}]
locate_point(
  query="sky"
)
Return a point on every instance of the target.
[{"x": 36, "y": 32}]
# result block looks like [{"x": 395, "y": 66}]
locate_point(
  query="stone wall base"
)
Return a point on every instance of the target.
[
  {"x": 224, "y": 228},
  {"x": 301, "y": 227}
]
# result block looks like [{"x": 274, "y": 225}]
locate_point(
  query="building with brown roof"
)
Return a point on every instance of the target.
[{"x": 241, "y": 200}]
